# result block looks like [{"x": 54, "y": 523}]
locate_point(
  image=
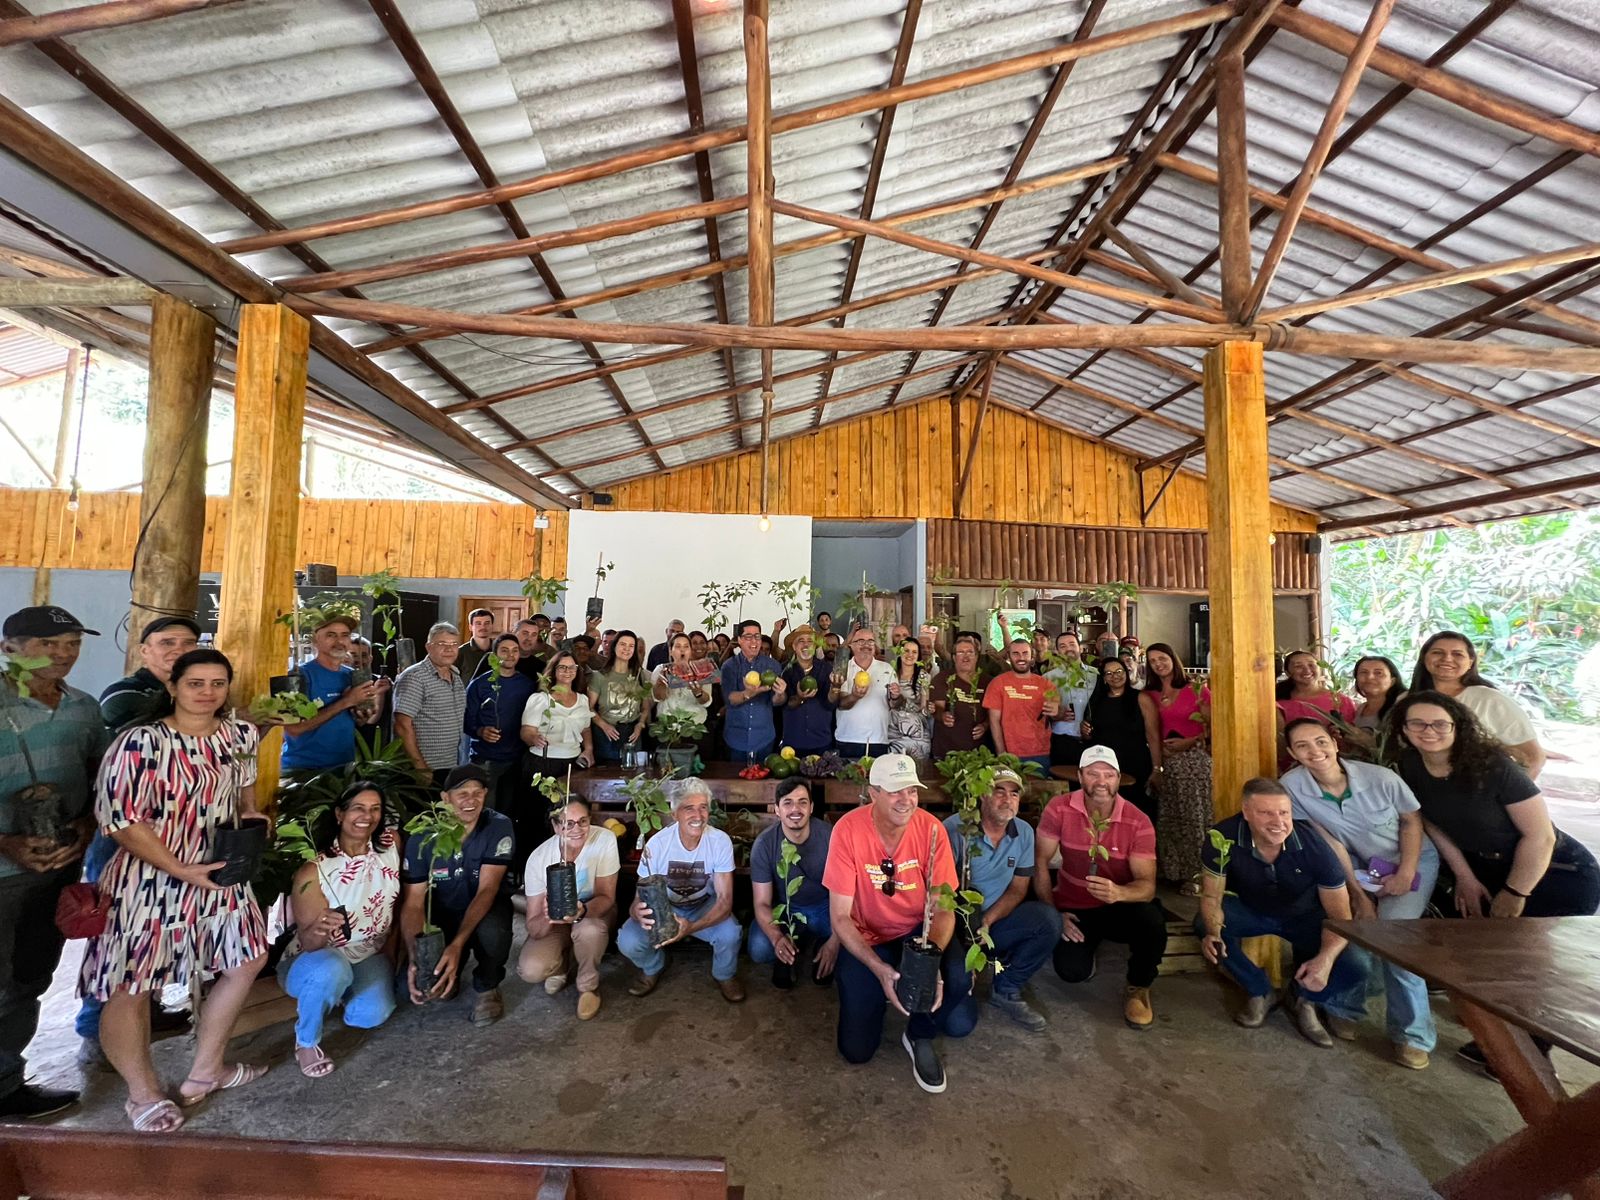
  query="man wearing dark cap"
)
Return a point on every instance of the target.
[
  {"x": 470, "y": 902},
  {"x": 328, "y": 740},
  {"x": 51, "y": 741},
  {"x": 135, "y": 699}
]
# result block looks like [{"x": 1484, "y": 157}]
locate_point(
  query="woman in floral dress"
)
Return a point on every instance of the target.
[
  {"x": 910, "y": 703},
  {"x": 163, "y": 789}
]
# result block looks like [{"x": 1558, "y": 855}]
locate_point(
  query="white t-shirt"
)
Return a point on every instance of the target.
[
  {"x": 597, "y": 860},
  {"x": 690, "y": 873},
  {"x": 680, "y": 696},
  {"x": 562, "y": 726},
  {"x": 1498, "y": 713},
  {"x": 867, "y": 720}
]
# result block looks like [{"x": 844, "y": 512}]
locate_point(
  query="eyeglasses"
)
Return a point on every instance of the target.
[
  {"x": 570, "y": 826},
  {"x": 1429, "y": 726},
  {"x": 888, "y": 868}
]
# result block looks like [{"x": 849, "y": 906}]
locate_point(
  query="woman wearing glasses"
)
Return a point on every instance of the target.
[
  {"x": 1488, "y": 818},
  {"x": 555, "y": 948},
  {"x": 1448, "y": 664}
]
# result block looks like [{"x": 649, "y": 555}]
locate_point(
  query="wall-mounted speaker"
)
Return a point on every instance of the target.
[{"x": 1314, "y": 544}]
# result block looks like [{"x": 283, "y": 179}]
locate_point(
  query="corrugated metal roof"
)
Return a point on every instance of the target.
[
  {"x": 25, "y": 356},
  {"x": 312, "y": 112}
]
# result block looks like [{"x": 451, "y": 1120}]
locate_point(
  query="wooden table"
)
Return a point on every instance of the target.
[{"x": 1510, "y": 979}]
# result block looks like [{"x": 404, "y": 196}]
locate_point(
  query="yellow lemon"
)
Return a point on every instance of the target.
[
  {"x": 752, "y": 679},
  {"x": 863, "y": 679},
  {"x": 788, "y": 751}
]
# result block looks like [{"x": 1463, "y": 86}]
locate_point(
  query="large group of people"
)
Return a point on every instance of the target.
[{"x": 1390, "y": 799}]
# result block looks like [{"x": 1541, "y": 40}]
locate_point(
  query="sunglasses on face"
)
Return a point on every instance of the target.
[{"x": 888, "y": 868}]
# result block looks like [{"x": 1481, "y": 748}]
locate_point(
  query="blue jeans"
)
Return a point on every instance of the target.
[
  {"x": 95, "y": 861},
  {"x": 815, "y": 922},
  {"x": 321, "y": 980},
  {"x": 723, "y": 938},
  {"x": 862, "y": 1003},
  {"x": 1023, "y": 940},
  {"x": 1408, "y": 1016},
  {"x": 1303, "y": 932}
]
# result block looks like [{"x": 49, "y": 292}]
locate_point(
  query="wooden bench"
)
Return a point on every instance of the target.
[{"x": 79, "y": 1165}]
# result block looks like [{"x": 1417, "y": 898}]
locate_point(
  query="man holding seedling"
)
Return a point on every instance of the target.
[
  {"x": 1106, "y": 887},
  {"x": 1021, "y": 707},
  {"x": 328, "y": 740},
  {"x": 791, "y": 905},
  {"x": 887, "y": 863},
  {"x": 752, "y": 686},
  {"x": 998, "y": 860},
  {"x": 1074, "y": 683}
]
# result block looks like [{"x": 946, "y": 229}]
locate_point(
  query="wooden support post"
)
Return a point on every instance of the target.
[
  {"x": 1233, "y": 187},
  {"x": 258, "y": 555},
  {"x": 172, "y": 502},
  {"x": 1239, "y": 571},
  {"x": 58, "y": 478}
]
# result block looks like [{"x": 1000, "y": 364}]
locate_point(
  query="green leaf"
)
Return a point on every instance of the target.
[
  {"x": 977, "y": 960},
  {"x": 795, "y": 885},
  {"x": 972, "y": 897}
]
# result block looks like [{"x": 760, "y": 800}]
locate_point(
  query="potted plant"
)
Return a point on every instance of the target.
[
  {"x": 790, "y": 881},
  {"x": 383, "y": 587},
  {"x": 714, "y": 605},
  {"x": 296, "y": 843},
  {"x": 560, "y": 878},
  {"x": 239, "y": 846},
  {"x": 284, "y": 708},
  {"x": 540, "y": 592},
  {"x": 595, "y": 607},
  {"x": 677, "y": 733},
  {"x": 651, "y": 811},
  {"x": 442, "y": 835},
  {"x": 918, "y": 984}
]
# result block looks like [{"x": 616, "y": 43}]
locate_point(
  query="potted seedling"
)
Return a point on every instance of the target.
[
  {"x": 383, "y": 587},
  {"x": 442, "y": 835},
  {"x": 677, "y": 732},
  {"x": 790, "y": 881},
  {"x": 239, "y": 846},
  {"x": 651, "y": 811},
  {"x": 283, "y": 708},
  {"x": 647, "y": 801},
  {"x": 714, "y": 605},
  {"x": 37, "y": 804},
  {"x": 561, "y": 878},
  {"x": 295, "y": 842},
  {"x": 595, "y": 608},
  {"x": 1098, "y": 852},
  {"x": 540, "y": 592},
  {"x": 918, "y": 985}
]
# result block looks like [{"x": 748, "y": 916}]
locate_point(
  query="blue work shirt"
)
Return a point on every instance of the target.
[
  {"x": 501, "y": 708},
  {"x": 1285, "y": 887},
  {"x": 808, "y": 726},
  {"x": 994, "y": 867},
  {"x": 750, "y": 725},
  {"x": 455, "y": 880},
  {"x": 333, "y": 743}
]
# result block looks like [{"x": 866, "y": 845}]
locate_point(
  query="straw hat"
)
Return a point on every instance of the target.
[{"x": 806, "y": 630}]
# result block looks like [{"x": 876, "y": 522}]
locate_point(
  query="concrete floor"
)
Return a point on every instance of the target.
[{"x": 1195, "y": 1108}]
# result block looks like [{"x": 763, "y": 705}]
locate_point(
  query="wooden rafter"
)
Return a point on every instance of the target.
[
  {"x": 90, "y": 18},
  {"x": 880, "y": 154},
  {"x": 1355, "y": 63},
  {"x": 1531, "y": 491},
  {"x": 712, "y": 139},
  {"x": 972, "y": 443}
]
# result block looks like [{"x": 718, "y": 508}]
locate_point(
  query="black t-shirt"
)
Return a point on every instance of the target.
[
  {"x": 455, "y": 880},
  {"x": 1472, "y": 810}
]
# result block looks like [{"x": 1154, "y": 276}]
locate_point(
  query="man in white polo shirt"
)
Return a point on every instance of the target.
[{"x": 860, "y": 696}]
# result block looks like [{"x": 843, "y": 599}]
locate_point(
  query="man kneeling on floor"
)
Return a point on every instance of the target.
[
  {"x": 1280, "y": 878},
  {"x": 697, "y": 861},
  {"x": 1106, "y": 887},
  {"x": 786, "y": 866},
  {"x": 999, "y": 862},
  {"x": 470, "y": 903},
  {"x": 883, "y": 860}
]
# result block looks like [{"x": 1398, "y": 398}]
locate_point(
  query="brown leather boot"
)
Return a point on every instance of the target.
[{"x": 1136, "y": 1010}]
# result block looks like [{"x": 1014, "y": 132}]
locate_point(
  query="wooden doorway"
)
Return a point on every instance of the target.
[{"x": 507, "y": 610}]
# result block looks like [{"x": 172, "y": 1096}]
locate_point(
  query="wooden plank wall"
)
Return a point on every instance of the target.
[
  {"x": 897, "y": 465},
  {"x": 417, "y": 539},
  {"x": 1054, "y": 555}
]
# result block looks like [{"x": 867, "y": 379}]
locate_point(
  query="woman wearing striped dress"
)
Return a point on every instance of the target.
[{"x": 163, "y": 789}]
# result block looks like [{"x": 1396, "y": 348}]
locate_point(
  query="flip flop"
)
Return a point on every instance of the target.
[
  {"x": 319, "y": 1065},
  {"x": 242, "y": 1074},
  {"x": 159, "y": 1116}
]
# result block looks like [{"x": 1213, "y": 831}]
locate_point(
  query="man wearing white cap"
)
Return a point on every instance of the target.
[
  {"x": 884, "y": 859},
  {"x": 1106, "y": 887}
]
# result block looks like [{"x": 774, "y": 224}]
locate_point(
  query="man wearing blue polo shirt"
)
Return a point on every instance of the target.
[
  {"x": 998, "y": 860},
  {"x": 747, "y": 724},
  {"x": 329, "y": 738},
  {"x": 1280, "y": 878}
]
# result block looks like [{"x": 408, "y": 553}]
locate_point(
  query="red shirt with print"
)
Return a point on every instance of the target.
[
  {"x": 856, "y": 854},
  {"x": 1019, "y": 699}
]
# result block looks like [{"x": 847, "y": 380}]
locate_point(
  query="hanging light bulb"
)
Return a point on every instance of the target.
[
  {"x": 72, "y": 496},
  {"x": 764, "y": 524}
]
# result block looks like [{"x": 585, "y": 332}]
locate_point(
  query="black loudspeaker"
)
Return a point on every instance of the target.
[
  {"x": 601, "y": 499},
  {"x": 1314, "y": 543}
]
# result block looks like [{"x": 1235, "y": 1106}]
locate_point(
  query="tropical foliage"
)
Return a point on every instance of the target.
[{"x": 1527, "y": 592}]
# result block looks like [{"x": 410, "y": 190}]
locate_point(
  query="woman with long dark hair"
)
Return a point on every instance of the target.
[
  {"x": 1448, "y": 664},
  {"x": 910, "y": 702},
  {"x": 343, "y": 949},
  {"x": 1305, "y": 691},
  {"x": 1120, "y": 716},
  {"x": 1379, "y": 687},
  {"x": 619, "y": 695},
  {"x": 1183, "y": 709},
  {"x": 164, "y": 789}
]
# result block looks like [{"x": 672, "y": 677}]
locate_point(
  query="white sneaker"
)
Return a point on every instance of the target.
[{"x": 554, "y": 984}]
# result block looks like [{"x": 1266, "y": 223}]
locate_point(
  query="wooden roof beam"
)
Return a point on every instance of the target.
[
  {"x": 55, "y": 293},
  {"x": 712, "y": 139},
  {"x": 1531, "y": 491},
  {"x": 90, "y": 18},
  {"x": 972, "y": 442}
]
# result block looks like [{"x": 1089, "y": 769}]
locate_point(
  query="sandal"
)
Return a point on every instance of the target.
[
  {"x": 159, "y": 1116},
  {"x": 1190, "y": 888},
  {"x": 318, "y": 1065},
  {"x": 242, "y": 1074}
]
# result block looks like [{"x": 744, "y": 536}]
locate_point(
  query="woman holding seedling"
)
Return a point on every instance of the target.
[
  {"x": 909, "y": 700},
  {"x": 558, "y": 946},
  {"x": 619, "y": 695}
]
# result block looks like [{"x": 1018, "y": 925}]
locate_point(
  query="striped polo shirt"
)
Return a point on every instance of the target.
[
  {"x": 63, "y": 744},
  {"x": 1128, "y": 835},
  {"x": 436, "y": 707}
]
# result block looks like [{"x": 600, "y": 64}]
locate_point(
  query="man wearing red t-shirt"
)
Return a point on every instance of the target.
[
  {"x": 879, "y": 873},
  {"x": 1020, "y": 708},
  {"x": 1106, "y": 887}
]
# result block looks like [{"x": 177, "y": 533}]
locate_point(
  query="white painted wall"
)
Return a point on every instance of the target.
[{"x": 663, "y": 559}]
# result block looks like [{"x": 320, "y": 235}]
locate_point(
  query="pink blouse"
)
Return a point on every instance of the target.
[
  {"x": 1178, "y": 711},
  {"x": 1319, "y": 708}
]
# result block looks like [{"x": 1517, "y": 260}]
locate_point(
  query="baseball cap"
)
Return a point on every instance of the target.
[
  {"x": 894, "y": 773},
  {"x": 161, "y": 623},
  {"x": 1099, "y": 754},
  {"x": 1007, "y": 775},
  {"x": 470, "y": 773},
  {"x": 43, "y": 621}
]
